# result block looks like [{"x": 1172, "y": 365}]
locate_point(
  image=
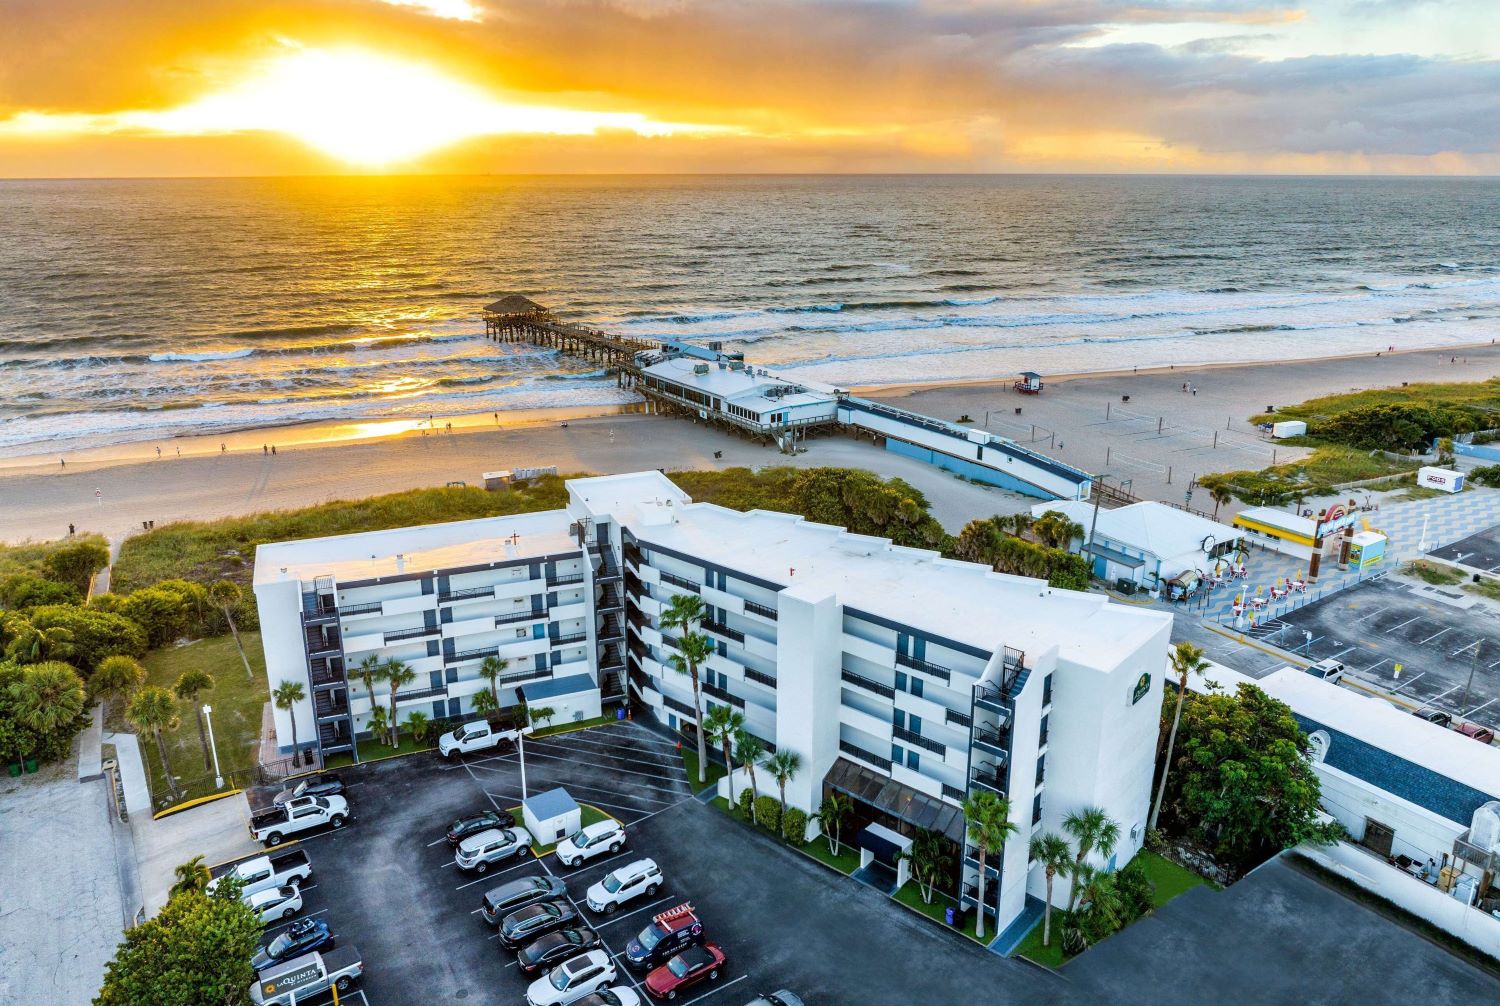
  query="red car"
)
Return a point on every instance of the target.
[
  {"x": 693, "y": 965},
  {"x": 1482, "y": 734}
]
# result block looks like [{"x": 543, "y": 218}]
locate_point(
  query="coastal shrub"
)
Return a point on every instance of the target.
[
  {"x": 768, "y": 813},
  {"x": 745, "y": 797},
  {"x": 94, "y": 634},
  {"x": 76, "y": 563},
  {"x": 990, "y": 541},
  {"x": 1073, "y": 941},
  {"x": 1486, "y": 475},
  {"x": 1403, "y": 427},
  {"x": 1136, "y": 890},
  {"x": 794, "y": 825},
  {"x": 205, "y": 551},
  {"x": 28, "y": 557},
  {"x": 1481, "y": 395},
  {"x": 162, "y": 613},
  {"x": 41, "y": 711},
  {"x": 23, "y": 591}
]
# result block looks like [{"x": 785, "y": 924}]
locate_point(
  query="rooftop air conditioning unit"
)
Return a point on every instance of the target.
[{"x": 700, "y": 368}]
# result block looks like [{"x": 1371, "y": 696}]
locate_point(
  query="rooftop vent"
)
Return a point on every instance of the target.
[{"x": 700, "y": 368}]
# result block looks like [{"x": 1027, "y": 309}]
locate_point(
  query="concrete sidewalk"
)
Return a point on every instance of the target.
[
  {"x": 90, "y": 747},
  {"x": 132, "y": 773}
]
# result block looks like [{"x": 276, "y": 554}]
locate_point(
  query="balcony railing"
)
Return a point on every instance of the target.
[
  {"x": 954, "y": 793},
  {"x": 991, "y": 697},
  {"x": 570, "y": 639},
  {"x": 723, "y": 695},
  {"x": 992, "y": 739},
  {"x": 482, "y": 652},
  {"x": 418, "y": 633},
  {"x": 465, "y": 594},
  {"x": 988, "y": 775},
  {"x": 720, "y": 629},
  {"x": 957, "y": 719},
  {"x": 926, "y": 667},
  {"x": 681, "y": 707},
  {"x": 912, "y": 737},
  {"x": 860, "y": 681},
  {"x": 760, "y": 609},
  {"x": 519, "y": 616},
  {"x": 361, "y": 609},
  {"x": 681, "y": 581},
  {"x": 564, "y": 579},
  {"x": 861, "y": 753},
  {"x": 769, "y": 680}
]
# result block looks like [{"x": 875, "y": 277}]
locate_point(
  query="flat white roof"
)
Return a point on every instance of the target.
[
  {"x": 1152, "y": 527},
  {"x": 425, "y": 548},
  {"x": 963, "y": 601},
  {"x": 745, "y": 387},
  {"x": 1376, "y": 722}
]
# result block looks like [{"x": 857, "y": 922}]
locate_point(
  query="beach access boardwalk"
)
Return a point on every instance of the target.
[{"x": 710, "y": 385}]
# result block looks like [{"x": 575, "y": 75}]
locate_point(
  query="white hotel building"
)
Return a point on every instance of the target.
[{"x": 902, "y": 679}]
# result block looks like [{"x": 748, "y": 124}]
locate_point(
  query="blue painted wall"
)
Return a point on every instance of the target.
[
  {"x": 968, "y": 469},
  {"x": 1485, "y": 452},
  {"x": 1408, "y": 780}
]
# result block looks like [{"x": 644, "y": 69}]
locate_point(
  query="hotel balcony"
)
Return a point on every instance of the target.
[
  {"x": 988, "y": 696},
  {"x": 869, "y": 685},
  {"x": 869, "y": 757},
  {"x": 420, "y": 632},
  {"x": 762, "y": 610},
  {"x": 368, "y": 608},
  {"x": 572, "y": 639},
  {"x": 466, "y": 594},
  {"x": 990, "y": 775},
  {"x": 992, "y": 740},
  {"x": 957, "y": 719},
  {"x": 720, "y": 629},
  {"x": 759, "y": 677},
  {"x": 913, "y": 738},
  {"x": 564, "y": 579},
  {"x": 926, "y": 667},
  {"x": 723, "y": 695},
  {"x": 680, "y": 582}
]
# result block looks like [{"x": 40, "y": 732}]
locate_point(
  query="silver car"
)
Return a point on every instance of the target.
[
  {"x": 477, "y": 852},
  {"x": 782, "y": 998}
]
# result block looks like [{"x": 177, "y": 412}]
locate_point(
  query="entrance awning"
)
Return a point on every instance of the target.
[
  {"x": 900, "y": 801},
  {"x": 1115, "y": 556}
]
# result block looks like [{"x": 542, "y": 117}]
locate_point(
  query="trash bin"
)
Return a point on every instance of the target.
[
  {"x": 948, "y": 915},
  {"x": 620, "y": 713},
  {"x": 31, "y": 764},
  {"x": 15, "y": 768}
]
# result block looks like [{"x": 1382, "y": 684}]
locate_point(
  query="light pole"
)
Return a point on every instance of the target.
[
  {"x": 212, "y": 747},
  {"x": 1422, "y": 545},
  {"x": 1098, "y": 497}
]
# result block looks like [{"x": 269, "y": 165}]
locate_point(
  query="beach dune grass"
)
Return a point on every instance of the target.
[
  {"x": 1316, "y": 475},
  {"x": 27, "y": 557},
  {"x": 1483, "y": 394}
]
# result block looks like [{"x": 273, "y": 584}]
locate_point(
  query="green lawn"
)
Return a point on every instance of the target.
[
  {"x": 690, "y": 763},
  {"x": 374, "y": 750},
  {"x": 846, "y": 862},
  {"x": 237, "y": 705},
  {"x": 1167, "y": 877},
  {"x": 911, "y": 897}
]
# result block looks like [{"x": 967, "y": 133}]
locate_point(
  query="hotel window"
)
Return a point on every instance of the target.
[
  {"x": 912, "y": 761},
  {"x": 1041, "y": 769},
  {"x": 900, "y": 681},
  {"x": 1047, "y": 690},
  {"x": 1042, "y": 738},
  {"x": 896, "y": 754},
  {"x": 1036, "y": 810},
  {"x": 914, "y": 685}
]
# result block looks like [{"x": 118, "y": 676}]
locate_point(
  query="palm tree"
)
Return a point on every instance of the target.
[
  {"x": 784, "y": 766},
  {"x": 747, "y": 751},
  {"x": 397, "y": 675},
  {"x": 540, "y": 715},
  {"x": 486, "y": 703},
  {"x": 1092, "y": 829},
  {"x": 1187, "y": 659},
  {"x": 48, "y": 697},
  {"x": 377, "y": 722},
  {"x": 154, "y": 709},
  {"x": 831, "y": 815},
  {"x": 188, "y": 686},
  {"x": 419, "y": 724},
  {"x": 928, "y": 856},
  {"x": 227, "y": 595},
  {"x": 115, "y": 678},
  {"x": 1051, "y": 850},
  {"x": 286, "y": 696},
  {"x": 1100, "y": 891},
  {"x": 490, "y": 669},
  {"x": 192, "y": 876},
  {"x": 1220, "y": 495},
  {"x": 369, "y": 672},
  {"x": 989, "y": 826},
  {"x": 33, "y": 645},
  {"x": 696, "y": 649},
  {"x": 723, "y": 724}
]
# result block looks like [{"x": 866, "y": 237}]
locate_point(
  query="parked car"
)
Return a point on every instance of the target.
[
  {"x": 781, "y": 998},
  {"x": 1330, "y": 670},
  {"x": 1479, "y": 733},
  {"x": 301, "y": 937},
  {"x": 500, "y": 901},
  {"x": 596, "y": 839},
  {"x": 571, "y": 979},
  {"x": 299, "y": 979},
  {"x": 322, "y": 784},
  {"x": 277, "y": 903},
  {"x": 554, "y": 948},
  {"x": 475, "y": 736},
  {"x": 617, "y": 995},
  {"x": 289, "y": 869},
  {"x": 477, "y": 852},
  {"x": 629, "y": 881},
  {"x": 1437, "y": 716},
  {"x": 667, "y": 935},
  {"x": 687, "y": 969},
  {"x": 475, "y": 823},
  {"x": 273, "y": 825},
  {"x": 526, "y": 924}
]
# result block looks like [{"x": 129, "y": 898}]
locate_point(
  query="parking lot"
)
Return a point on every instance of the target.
[
  {"x": 1435, "y": 635},
  {"x": 387, "y": 885},
  {"x": 1481, "y": 551}
]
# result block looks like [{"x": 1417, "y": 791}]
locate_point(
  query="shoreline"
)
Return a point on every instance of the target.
[{"x": 956, "y": 396}]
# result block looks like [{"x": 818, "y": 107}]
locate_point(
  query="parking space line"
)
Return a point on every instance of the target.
[
  {"x": 443, "y": 839},
  {"x": 721, "y": 988},
  {"x": 629, "y": 796},
  {"x": 1476, "y": 709},
  {"x": 1403, "y": 624},
  {"x": 595, "y": 746},
  {"x": 612, "y": 919},
  {"x": 626, "y": 771},
  {"x": 1469, "y": 647},
  {"x": 1377, "y": 663},
  {"x": 1435, "y": 635},
  {"x": 1347, "y": 649},
  {"x": 1372, "y": 614},
  {"x": 1434, "y": 700},
  {"x": 580, "y": 871},
  {"x": 1397, "y": 689},
  {"x": 492, "y": 874},
  {"x": 679, "y": 803}
]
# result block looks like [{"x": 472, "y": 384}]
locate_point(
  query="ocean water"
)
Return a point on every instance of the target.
[{"x": 137, "y": 309}]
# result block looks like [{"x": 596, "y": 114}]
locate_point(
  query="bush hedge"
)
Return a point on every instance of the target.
[
  {"x": 768, "y": 813},
  {"x": 794, "y": 825},
  {"x": 744, "y": 800}
]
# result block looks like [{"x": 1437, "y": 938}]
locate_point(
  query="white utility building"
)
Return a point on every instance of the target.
[{"x": 903, "y": 679}]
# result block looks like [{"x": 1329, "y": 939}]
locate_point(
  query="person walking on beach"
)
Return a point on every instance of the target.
[
  {"x": 63, "y": 462},
  {"x": 158, "y": 452},
  {"x": 223, "y": 447},
  {"x": 273, "y": 450},
  {"x": 264, "y": 449}
]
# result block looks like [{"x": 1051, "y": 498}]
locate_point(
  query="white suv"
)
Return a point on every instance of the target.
[
  {"x": 572, "y": 979},
  {"x": 276, "y": 903},
  {"x": 629, "y": 881},
  {"x": 594, "y": 840},
  {"x": 477, "y": 852}
]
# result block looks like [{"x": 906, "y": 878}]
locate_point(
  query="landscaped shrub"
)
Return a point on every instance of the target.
[
  {"x": 1136, "y": 890},
  {"x": 747, "y": 795},
  {"x": 23, "y": 592},
  {"x": 794, "y": 825},
  {"x": 768, "y": 813},
  {"x": 1486, "y": 475},
  {"x": 1073, "y": 941}
]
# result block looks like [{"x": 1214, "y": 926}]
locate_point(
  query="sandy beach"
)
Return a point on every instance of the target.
[{"x": 1160, "y": 439}]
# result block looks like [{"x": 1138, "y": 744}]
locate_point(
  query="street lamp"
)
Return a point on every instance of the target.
[{"x": 212, "y": 747}]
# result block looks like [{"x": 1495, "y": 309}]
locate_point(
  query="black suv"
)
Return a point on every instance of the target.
[
  {"x": 526, "y": 924},
  {"x": 501, "y": 901},
  {"x": 554, "y": 948},
  {"x": 475, "y": 823},
  {"x": 659, "y": 943}
]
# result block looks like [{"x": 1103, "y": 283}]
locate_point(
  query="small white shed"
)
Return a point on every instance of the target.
[{"x": 551, "y": 816}]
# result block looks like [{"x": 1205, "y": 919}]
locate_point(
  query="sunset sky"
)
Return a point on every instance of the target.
[{"x": 236, "y": 87}]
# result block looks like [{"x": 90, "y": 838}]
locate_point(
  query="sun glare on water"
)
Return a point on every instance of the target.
[{"x": 361, "y": 107}]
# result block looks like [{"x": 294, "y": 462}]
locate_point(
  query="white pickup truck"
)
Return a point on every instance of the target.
[
  {"x": 288, "y": 869},
  {"x": 302, "y": 978},
  {"x": 475, "y": 736},
  {"x": 274, "y": 824}
]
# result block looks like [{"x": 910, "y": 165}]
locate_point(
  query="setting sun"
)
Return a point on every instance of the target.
[{"x": 361, "y": 107}]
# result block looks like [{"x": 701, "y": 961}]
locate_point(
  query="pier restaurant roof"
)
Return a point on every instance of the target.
[{"x": 515, "y": 303}]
